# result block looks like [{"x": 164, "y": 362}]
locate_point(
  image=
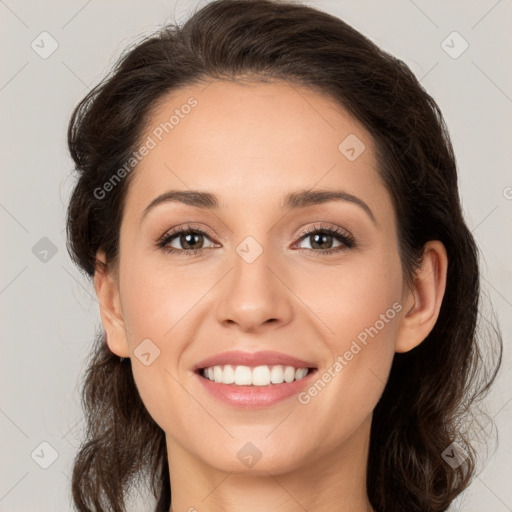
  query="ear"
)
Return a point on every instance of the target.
[
  {"x": 107, "y": 291},
  {"x": 422, "y": 303}
]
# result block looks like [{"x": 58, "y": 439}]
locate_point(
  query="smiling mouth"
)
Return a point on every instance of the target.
[{"x": 263, "y": 375}]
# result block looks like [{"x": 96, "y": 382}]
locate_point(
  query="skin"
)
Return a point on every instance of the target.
[{"x": 250, "y": 143}]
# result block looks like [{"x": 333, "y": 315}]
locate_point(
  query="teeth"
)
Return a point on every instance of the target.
[
  {"x": 257, "y": 376},
  {"x": 243, "y": 375}
]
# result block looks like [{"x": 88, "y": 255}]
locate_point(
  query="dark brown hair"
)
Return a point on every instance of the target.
[{"x": 431, "y": 389}]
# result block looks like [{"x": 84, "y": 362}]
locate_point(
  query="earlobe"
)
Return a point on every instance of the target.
[
  {"x": 423, "y": 302},
  {"x": 107, "y": 291}
]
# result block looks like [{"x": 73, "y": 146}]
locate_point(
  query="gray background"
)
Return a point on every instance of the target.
[{"x": 49, "y": 313}]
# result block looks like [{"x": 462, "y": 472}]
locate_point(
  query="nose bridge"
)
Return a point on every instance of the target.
[
  {"x": 253, "y": 295},
  {"x": 252, "y": 262}
]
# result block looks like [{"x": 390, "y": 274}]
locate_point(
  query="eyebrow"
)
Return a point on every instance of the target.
[{"x": 292, "y": 201}]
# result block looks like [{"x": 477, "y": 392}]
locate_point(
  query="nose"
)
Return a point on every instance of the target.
[{"x": 254, "y": 294}]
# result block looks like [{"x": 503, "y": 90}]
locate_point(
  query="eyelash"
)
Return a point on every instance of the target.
[{"x": 342, "y": 236}]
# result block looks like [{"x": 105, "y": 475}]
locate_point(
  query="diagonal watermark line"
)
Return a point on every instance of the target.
[
  {"x": 314, "y": 185},
  {"x": 508, "y": 508},
  {"x": 14, "y": 218},
  {"x": 2, "y": 1},
  {"x": 492, "y": 211},
  {"x": 485, "y": 15},
  {"x": 13, "y": 279},
  {"x": 179, "y": 178},
  {"x": 501, "y": 408},
  {"x": 286, "y": 491},
  {"x": 428, "y": 72},
  {"x": 95, "y": 299},
  {"x": 207, "y": 85},
  {"x": 75, "y": 74},
  {"x": 281, "y": 421},
  {"x": 3, "y": 412},
  {"x": 194, "y": 398},
  {"x": 72, "y": 428},
  {"x": 79, "y": 283},
  {"x": 494, "y": 288},
  {"x": 217, "y": 486},
  {"x": 492, "y": 81},
  {"x": 377, "y": 377},
  {"x": 424, "y": 13},
  {"x": 15, "y": 75},
  {"x": 75, "y": 15},
  {"x": 14, "y": 485},
  {"x": 333, "y": 333},
  {"x": 192, "y": 307},
  {"x": 304, "y": 98}
]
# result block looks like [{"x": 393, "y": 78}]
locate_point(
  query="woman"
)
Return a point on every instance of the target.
[{"x": 241, "y": 365}]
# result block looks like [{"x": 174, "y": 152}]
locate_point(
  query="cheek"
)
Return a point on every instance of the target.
[
  {"x": 354, "y": 296},
  {"x": 155, "y": 300},
  {"x": 360, "y": 310},
  {"x": 160, "y": 305}
]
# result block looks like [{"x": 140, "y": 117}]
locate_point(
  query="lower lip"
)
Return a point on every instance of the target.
[{"x": 255, "y": 396}]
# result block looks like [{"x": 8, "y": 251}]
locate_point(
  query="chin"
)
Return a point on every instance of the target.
[{"x": 249, "y": 461}]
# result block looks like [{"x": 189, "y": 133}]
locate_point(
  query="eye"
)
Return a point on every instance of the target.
[
  {"x": 188, "y": 237},
  {"x": 190, "y": 240},
  {"x": 323, "y": 236}
]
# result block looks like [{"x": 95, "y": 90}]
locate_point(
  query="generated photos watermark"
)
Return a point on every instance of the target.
[
  {"x": 341, "y": 361},
  {"x": 152, "y": 140}
]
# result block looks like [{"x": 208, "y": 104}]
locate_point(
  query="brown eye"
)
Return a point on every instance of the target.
[
  {"x": 183, "y": 240},
  {"x": 322, "y": 240}
]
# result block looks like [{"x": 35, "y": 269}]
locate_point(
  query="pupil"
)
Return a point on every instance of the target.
[
  {"x": 186, "y": 237},
  {"x": 320, "y": 236}
]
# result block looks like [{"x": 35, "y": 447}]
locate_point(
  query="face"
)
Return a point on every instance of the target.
[{"x": 317, "y": 280}]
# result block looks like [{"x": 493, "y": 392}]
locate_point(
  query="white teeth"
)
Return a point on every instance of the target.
[
  {"x": 228, "y": 375},
  {"x": 276, "y": 375},
  {"x": 242, "y": 375},
  {"x": 258, "y": 376},
  {"x": 289, "y": 374},
  {"x": 261, "y": 376},
  {"x": 217, "y": 373}
]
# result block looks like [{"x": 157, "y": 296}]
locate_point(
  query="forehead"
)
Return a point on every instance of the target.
[{"x": 253, "y": 142}]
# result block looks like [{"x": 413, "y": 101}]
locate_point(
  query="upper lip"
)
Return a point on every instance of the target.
[{"x": 266, "y": 357}]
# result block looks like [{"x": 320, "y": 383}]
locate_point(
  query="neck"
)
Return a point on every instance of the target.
[{"x": 327, "y": 482}]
